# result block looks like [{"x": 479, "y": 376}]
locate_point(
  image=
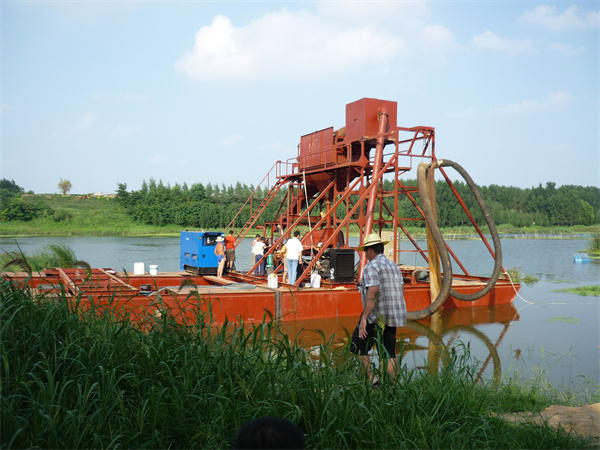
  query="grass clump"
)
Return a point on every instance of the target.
[
  {"x": 74, "y": 379},
  {"x": 582, "y": 290},
  {"x": 594, "y": 244},
  {"x": 517, "y": 276},
  {"x": 53, "y": 255}
]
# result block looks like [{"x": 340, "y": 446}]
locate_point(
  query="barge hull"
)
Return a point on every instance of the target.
[{"x": 186, "y": 297}]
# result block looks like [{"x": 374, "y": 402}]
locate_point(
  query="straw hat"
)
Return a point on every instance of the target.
[
  {"x": 371, "y": 240},
  {"x": 220, "y": 239}
]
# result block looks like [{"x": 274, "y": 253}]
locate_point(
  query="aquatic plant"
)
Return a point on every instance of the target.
[
  {"x": 72, "y": 378},
  {"x": 516, "y": 275},
  {"x": 53, "y": 255},
  {"x": 594, "y": 243},
  {"x": 582, "y": 290}
]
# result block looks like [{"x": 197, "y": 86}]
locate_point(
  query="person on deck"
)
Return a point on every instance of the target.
[
  {"x": 256, "y": 239},
  {"x": 294, "y": 253},
  {"x": 259, "y": 250},
  {"x": 283, "y": 257},
  {"x": 220, "y": 252},
  {"x": 230, "y": 250},
  {"x": 384, "y": 307}
]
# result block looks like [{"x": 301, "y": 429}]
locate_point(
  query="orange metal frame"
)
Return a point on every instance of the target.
[{"x": 337, "y": 180}]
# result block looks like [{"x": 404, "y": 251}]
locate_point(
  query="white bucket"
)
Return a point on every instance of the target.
[
  {"x": 138, "y": 268},
  {"x": 315, "y": 280},
  {"x": 272, "y": 281},
  {"x": 153, "y": 269}
]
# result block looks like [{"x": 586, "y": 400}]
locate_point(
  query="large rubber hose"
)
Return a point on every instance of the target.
[
  {"x": 486, "y": 214},
  {"x": 439, "y": 243},
  {"x": 493, "y": 232}
]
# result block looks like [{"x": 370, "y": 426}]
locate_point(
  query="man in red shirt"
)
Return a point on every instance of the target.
[{"x": 230, "y": 250}]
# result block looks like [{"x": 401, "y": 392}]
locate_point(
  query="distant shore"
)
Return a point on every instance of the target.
[{"x": 463, "y": 233}]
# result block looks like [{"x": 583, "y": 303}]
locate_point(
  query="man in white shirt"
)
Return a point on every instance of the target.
[
  {"x": 256, "y": 239},
  {"x": 294, "y": 253},
  {"x": 259, "y": 250}
]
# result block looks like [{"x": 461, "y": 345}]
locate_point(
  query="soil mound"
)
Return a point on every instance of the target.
[{"x": 583, "y": 420}]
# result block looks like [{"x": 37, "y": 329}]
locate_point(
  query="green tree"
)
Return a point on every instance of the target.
[
  {"x": 587, "y": 213},
  {"x": 10, "y": 186},
  {"x": 64, "y": 186}
]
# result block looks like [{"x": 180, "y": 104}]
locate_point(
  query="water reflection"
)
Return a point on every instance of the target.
[{"x": 426, "y": 344}]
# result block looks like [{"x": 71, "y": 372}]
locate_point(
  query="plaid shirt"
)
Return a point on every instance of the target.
[{"x": 390, "y": 305}]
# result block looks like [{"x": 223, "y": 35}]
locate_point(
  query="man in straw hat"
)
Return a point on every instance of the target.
[{"x": 384, "y": 308}]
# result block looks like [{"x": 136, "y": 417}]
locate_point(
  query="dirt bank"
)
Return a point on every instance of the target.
[{"x": 583, "y": 420}]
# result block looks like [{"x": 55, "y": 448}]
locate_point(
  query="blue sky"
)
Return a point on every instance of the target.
[{"x": 101, "y": 93}]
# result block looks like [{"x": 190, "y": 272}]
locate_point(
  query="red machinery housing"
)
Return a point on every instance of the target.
[{"x": 337, "y": 181}]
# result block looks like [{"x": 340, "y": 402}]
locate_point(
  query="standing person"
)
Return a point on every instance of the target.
[
  {"x": 283, "y": 255},
  {"x": 259, "y": 249},
  {"x": 384, "y": 308},
  {"x": 220, "y": 252},
  {"x": 230, "y": 250},
  {"x": 256, "y": 239},
  {"x": 294, "y": 253}
]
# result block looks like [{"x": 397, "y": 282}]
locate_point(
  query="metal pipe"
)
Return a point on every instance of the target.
[{"x": 383, "y": 128}]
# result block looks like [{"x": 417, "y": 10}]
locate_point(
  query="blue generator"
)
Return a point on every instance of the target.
[{"x": 198, "y": 251}]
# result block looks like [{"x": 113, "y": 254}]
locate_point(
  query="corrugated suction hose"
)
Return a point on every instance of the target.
[
  {"x": 439, "y": 243},
  {"x": 433, "y": 226}
]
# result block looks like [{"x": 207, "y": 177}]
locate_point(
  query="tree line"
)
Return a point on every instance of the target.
[
  {"x": 547, "y": 205},
  {"x": 213, "y": 206},
  {"x": 196, "y": 206}
]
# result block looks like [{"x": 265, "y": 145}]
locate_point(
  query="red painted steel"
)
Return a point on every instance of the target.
[
  {"x": 350, "y": 177},
  {"x": 169, "y": 295}
]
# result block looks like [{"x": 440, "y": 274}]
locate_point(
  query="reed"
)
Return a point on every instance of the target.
[
  {"x": 594, "y": 243},
  {"x": 53, "y": 255},
  {"x": 72, "y": 378}
]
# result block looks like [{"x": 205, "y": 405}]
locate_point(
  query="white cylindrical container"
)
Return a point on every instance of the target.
[
  {"x": 272, "y": 281},
  {"x": 315, "y": 280},
  {"x": 153, "y": 269},
  {"x": 138, "y": 268}
]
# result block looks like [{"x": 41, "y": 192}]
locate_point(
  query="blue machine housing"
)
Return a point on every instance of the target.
[{"x": 198, "y": 251}]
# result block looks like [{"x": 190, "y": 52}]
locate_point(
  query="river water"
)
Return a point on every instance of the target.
[{"x": 545, "y": 331}]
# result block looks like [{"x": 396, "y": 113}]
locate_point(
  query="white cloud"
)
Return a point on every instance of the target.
[
  {"x": 86, "y": 121},
  {"x": 119, "y": 131},
  {"x": 467, "y": 112},
  {"x": 296, "y": 45},
  {"x": 395, "y": 14},
  {"x": 492, "y": 42},
  {"x": 570, "y": 19},
  {"x": 132, "y": 98},
  {"x": 87, "y": 11},
  {"x": 564, "y": 148},
  {"x": 229, "y": 140},
  {"x": 565, "y": 49},
  {"x": 555, "y": 101},
  {"x": 158, "y": 160}
]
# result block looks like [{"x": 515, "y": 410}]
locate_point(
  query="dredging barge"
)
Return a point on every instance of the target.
[{"x": 341, "y": 180}]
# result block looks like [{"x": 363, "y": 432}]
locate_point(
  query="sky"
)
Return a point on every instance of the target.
[{"x": 107, "y": 92}]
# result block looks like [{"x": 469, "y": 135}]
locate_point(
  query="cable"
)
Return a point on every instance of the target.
[{"x": 516, "y": 291}]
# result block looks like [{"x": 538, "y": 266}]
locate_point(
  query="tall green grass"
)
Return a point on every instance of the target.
[
  {"x": 70, "y": 379},
  {"x": 594, "y": 244},
  {"x": 53, "y": 255}
]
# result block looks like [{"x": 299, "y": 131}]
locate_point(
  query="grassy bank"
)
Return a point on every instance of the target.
[
  {"x": 84, "y": 216},
  {"x": 103, "y": 216},
  {"x": 73, "y": 380}
]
